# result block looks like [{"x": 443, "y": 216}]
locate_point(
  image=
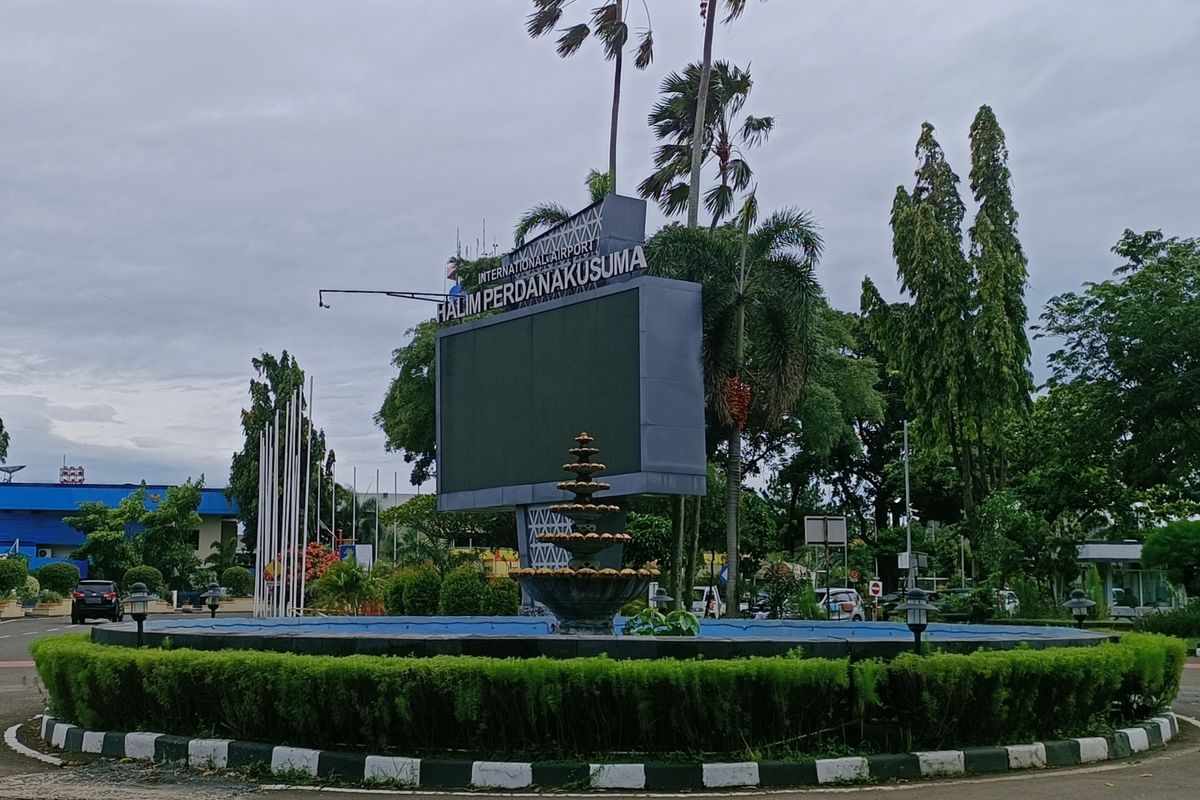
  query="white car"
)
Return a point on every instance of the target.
[
  {"x": 842, "y": 604},
  {"x": 707, "y": 602}
]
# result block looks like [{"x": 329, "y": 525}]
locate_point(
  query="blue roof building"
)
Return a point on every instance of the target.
[{"x": 31, "y": 517}]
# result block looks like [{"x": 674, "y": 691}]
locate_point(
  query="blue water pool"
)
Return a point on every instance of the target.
[{"x": 530, "y": 637}]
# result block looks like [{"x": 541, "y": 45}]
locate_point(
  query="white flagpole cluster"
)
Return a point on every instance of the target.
[{"x": 285, "y": 470}]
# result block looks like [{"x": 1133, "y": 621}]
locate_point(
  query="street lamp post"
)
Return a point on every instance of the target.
[
  {"x": 139, "y": 601},
  {"x": 916, "y": 612},
  {"x": 1079, "y": 605},
  {"x": 661, "y": 599},
  {"x": 212, "y": 598}
]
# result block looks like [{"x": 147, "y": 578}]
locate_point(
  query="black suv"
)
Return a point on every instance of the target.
[{"x": 96, "y": 599}]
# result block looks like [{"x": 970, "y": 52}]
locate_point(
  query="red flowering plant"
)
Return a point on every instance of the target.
[{"x": 317, "y": 559}]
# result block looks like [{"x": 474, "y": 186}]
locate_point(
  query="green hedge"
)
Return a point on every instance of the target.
[
  {"x": 462, "y": 592},
  {"x": 239, "y": 581},
  {"x": 143, "y": 574},
  {"x": 422, "y": 589},
  {"x": 1183, "y": 622},
  {"x": 592, "y": 706},
  {"x": 59, "y": 577},
  {"x": 13, "y": 572},
  {"x": 501, "y": 598}
]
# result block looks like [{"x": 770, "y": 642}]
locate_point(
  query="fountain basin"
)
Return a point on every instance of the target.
[
  {"x": 532, "y": 637},
  {"x": 585, "y": 605}
]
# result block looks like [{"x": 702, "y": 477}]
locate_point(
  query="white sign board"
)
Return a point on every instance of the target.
[
  {"x": 825, "y": 530},
  {"x": 875, "y": 588},
  {"x": 921, "y": 560}
]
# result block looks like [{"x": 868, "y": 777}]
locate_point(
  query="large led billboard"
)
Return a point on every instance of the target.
[{"x": 621, "y": 361}]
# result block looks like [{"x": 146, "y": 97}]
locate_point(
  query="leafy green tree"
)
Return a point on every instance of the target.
[
  {"x": 166, "y": 530},
  {"x": 481, "y": 529},
  {"x": 278, "y": 378},
  {"x": 407, "y": 414},
  {"x": 1176, "y": 548},
  {"x": 4, "y": 441},
  {"x": 652, "y": 541},
  {"x": 107, "y": 546},
  {"x": 1131, "y": 345},
  {"x": 725, "y": 139},
  {"x": 959, "y": 345},
  {"x": 608, "y": 25},
  {"x": 761, "y": 316}
]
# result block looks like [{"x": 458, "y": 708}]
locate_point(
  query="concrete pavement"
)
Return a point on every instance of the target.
[{"x": 1173, "y": 774}]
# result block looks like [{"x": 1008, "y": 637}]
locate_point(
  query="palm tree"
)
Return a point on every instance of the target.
[
  {"x": 761, "y": 311},
  {"x": 609, "y": 26},
  {"x": 547, "y": 215},
  {"x": 724, "y": 138},
  {"x": 224, "y": 555},
  {"x": 733, "y": 9}
]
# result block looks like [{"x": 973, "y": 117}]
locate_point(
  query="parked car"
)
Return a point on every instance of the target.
[
  {"x": 96, "y": 599},
  {"x": 707, "y": 602},
  {"x": 841, "y": 603}
]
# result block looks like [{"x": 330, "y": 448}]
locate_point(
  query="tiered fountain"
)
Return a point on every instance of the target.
[{"x": 582, "y": 595}]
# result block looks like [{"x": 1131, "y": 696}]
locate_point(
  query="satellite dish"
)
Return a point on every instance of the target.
[{"x": 8, "y": 472}]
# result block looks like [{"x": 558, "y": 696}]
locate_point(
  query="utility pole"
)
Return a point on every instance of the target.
[{"x": 912, "y": 571}]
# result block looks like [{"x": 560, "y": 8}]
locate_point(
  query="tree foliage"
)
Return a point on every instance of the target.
[
  {"x": 278, "y": 378},
  {"x": 1131, "y": 346},
  {"x": 4, "y": 442},
  {"x": 1176, "y": 548},
  {"x": 107, "y": 546},
  {"x": 724, "y": 141},
  {"x": 959, "y": 344},
  {"x": 164, "y": 540}
]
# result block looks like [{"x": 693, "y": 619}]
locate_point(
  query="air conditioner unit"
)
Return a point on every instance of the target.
[{"x": 43, "y": 552}]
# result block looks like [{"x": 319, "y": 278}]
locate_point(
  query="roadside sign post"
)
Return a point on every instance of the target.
[
  {"x": 875, "y": 589},
  {"x": 825, "y": 531}
]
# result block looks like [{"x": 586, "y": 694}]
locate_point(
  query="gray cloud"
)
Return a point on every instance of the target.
[{"x": 180, "y": 178}]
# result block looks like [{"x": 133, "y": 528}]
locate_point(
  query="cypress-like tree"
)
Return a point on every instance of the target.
[
  {"x": 960, "y": 344},
  {"x": 1001, "y": 269}
]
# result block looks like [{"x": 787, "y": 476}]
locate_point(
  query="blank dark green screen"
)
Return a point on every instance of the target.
[{"x": 515, "y": 394}]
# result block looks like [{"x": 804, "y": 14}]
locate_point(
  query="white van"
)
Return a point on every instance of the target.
[{"x": 707, "y": 602}]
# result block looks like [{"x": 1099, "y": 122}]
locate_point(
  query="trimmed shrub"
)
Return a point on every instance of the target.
[
  {"x": 393, "y": 595},
  {"x": 462, "y": 592},
  {"x": 12, "y": 575},
  {"x": 239, "y": 581},
  {"x": 422, "y": 591},
  {"x": 1183, "y": 622},
  {"x": 598, "y": 706},
  {"x": 501, "y": 598},
  {"x": 28, "y": 592},
  {"x": 58, "y": 577},
  {"x": 143, "y": 574}
]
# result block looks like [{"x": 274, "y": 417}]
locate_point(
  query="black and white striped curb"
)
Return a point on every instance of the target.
[{"x": 434, "y": 773}]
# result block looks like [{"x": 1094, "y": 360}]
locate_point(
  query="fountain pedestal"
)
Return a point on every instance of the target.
[{"x": 583, "y": 596}]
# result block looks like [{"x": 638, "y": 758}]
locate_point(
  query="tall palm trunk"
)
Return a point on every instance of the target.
[
  {"x": 733, "y": 468},
  {"x": 612, "y": 134},
  {"x": 678, "y": 569},
  {"x": 698, "y": 126}
]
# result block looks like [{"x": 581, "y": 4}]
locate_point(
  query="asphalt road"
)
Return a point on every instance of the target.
[{"x": 1173, "y": 774}]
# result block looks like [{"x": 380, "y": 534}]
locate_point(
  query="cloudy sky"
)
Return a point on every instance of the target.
[{"x": 177, "y": 179}]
